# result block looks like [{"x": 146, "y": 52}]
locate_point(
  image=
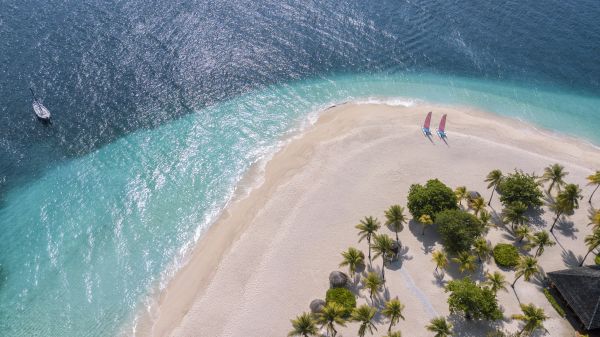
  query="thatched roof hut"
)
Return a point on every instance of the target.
[{"x": 580, "y": 288}]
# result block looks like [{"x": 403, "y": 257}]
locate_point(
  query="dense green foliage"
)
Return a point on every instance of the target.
[
  {"x": 597, "y": 259},
  {"x": 343, "y": 297},
  {"x": 472, "y": 300},
  {"x": 555, "y": 304},
  {"x": 522, "y": 187},
  {"x": 430, "y": 199},
  {"x": 506, "y": 255},
  {"x": 458, "y": 229}
]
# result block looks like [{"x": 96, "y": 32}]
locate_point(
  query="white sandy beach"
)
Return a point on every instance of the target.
[{"x": 271, "y": 253}]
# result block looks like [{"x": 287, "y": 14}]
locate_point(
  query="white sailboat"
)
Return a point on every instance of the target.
[{"x": 40, "y": 110}]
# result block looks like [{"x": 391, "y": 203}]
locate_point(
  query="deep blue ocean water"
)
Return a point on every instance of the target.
[{"x": 161, "y": 106}]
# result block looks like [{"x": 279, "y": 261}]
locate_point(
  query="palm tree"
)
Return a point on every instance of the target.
[
  {"x": 522, "y": 232},
  {"x": 440, "y": 326},
  {"x": 591, "y": 241},
  {"x": 393, "y": 334},
  {"x": 493, "y": 179},
  {"x": 353, "y": 258},
  {"x": 482, "y": 248},
  {"x": 440, "y": 258},
  {"x": 527, "y": 267},
  {"x": 554, "y": 174},
  {"x": 477, "y": 205},
  {"x": 461, "y": 194},
  {"x": 466, "y": 262},
  {"x": 485, "y": 217},
  {"x": 395, "y": 218},
  {"x": 566, "y": 202},
  {"x": 533, "y": 317},
  {"x": 496, "y": 281},
  {"x": 425, "y": 220},
  {"x": 304, "y": 325},
  {"x": 382, "y": 246},
  {"x": 364, "y": 314},
  {"x": 540, "y": 240},
  {"x": 372, "y": 282},
  {"x": 366, "y": 228},
  {"x": 594, "y": 216},
  {"x": 331, "y": 315},
  {"x": 594, "y": 179},
  {"x": 393, "y": 311},
  {"x": 515, "y": 214}
]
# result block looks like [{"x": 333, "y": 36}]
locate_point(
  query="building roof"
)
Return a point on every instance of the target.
[{"x": 580, "y": 287}]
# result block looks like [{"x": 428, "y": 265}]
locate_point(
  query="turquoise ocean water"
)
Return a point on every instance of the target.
[{"x": 96, "y": 234}]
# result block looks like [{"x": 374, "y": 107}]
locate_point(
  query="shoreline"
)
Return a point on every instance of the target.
[{"x": 217, "y": 242}]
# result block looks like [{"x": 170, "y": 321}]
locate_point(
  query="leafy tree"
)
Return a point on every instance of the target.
[
  {"x": 522, "y": 232},
  {"x": 382, "y": 246},
  {"x": 591, "y": 241},
  {"x": 353, "y": 258},
  {"x": 554, "y": 174},
  {"x": 395, "y": 218},
  {"x": 496, "y": 281},
  {"x": 364, "y": 315},
  {"x": 593, "y": 179},
  {"x": 466, "y": 262},
  {"x": 304, "y": 325},
  {"x": 594, "y": 216},
  {"x": 430, "y": 199},
  {"x": 482, "y": 248},
  {"x": 458, "y": 229},
  {"x": 515, "y": 214},
  {"x": 366, "y": 228},
  {"x": 477, "y": 205},
  {"x": 440, "y": 258},
  {"x": 474, "y": 301},
  {"x": 519, "y": 186},
  {"x": 493, "y": 179},
  {"x": 461, "y": 194},
  {"x": 373, "y": 283},
  {"x": 343, "y": 297},
  {"x": 540, "y": 240},
  {"x": 527, "y": 267},
  {"x": 533, "y": 317},
  {"x": 425, "y": 221},
  {"x": 331, "y": 315},
  {"x": 506, "y": 255},
  {"x": 440, "y": 326},
  {"x": 393, "y": 310},
  {"x": 567, "y": 201}
]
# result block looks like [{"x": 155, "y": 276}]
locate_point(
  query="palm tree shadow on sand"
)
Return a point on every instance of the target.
[
  {"x": 472, "y": 328},
  {"x": 570, "y": 259}
]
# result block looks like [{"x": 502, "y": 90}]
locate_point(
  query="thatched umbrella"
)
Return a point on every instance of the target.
[
  {"x": 317, "y": 305},
  {"x": 337, "y": 279}
]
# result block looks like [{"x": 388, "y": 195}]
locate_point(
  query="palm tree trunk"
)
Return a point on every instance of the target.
[
  {"x": 555, "y": 220},
  {"x": 391, "y": 323},
  {"x": 334, "y": 331},
  {"x": 383, "y": 267},
  {"x": 492, "y": 195},
  {"x": 369, "y": 243},
  {"x": 538, "y": 251},
  {"x": 515, "y": 281},
  {"x": 590, "y": 201},
  {"x": 586, "y": 255},
  {"x": 397, "y": 240},
  {"x": 550, "y": 188}
]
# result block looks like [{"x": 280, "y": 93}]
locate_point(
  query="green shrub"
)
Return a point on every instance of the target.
[
  {"x": 458, "y": 229},
  {"x": 597, "y": 259},
  {"x": 430, "y": 199},
  {"x": 555, "y": 304},
  {"x": 521, "y": 187},
  {"x": 506, "y": 255},
  {"x": 343, "y": 297}
]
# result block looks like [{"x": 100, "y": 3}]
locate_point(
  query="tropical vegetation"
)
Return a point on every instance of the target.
[
  {"x": 430, "y": 199},
  {"x": 458, "y": 230},
  {"x": 522, "y": 187},
  {"x": 440, "y": 326},
  {"x": 506, "y": 255},
  {"x": 472, "y": 300}
]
